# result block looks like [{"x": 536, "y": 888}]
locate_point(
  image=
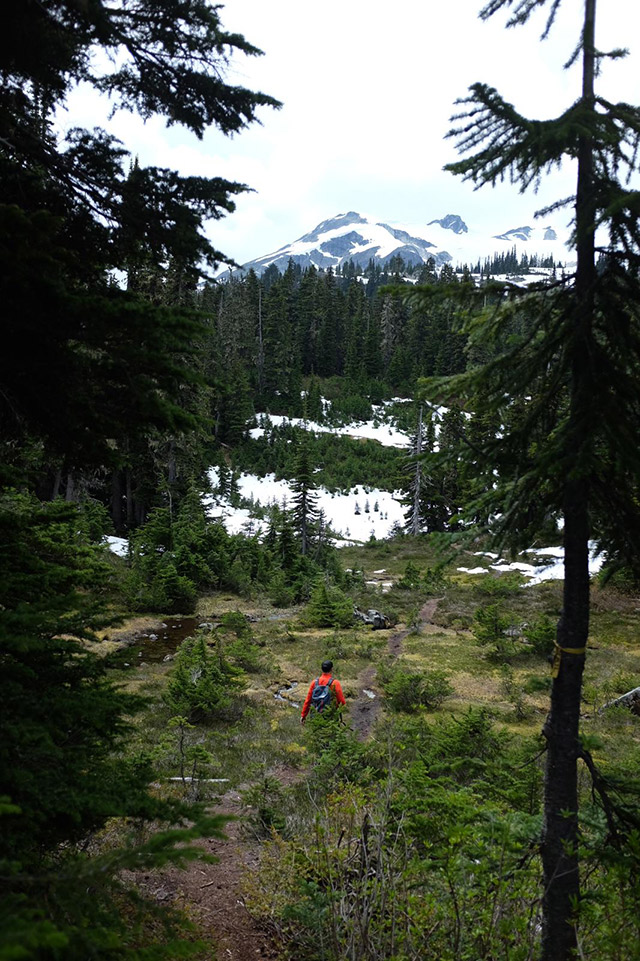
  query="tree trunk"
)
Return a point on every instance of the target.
[
  {"x": 560, "y": 832},
  {"x": 417, "y": 480},
  {"x": 57, "y": 483},
  {"x": 561, "y": 896},
  {"x": 70, "y": 489},
  {"x": 129, "y": 498},
  {"x": 116, "y": 501},
  {"x": 260, "y": 345}
]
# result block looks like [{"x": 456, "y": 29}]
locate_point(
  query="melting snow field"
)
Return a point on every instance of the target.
[
  {"x": 385, "y": 433},
  {"x": 339, "y": 509},
  {"x": 361, "y": 513},
  {"x": 550, "y": 570}
]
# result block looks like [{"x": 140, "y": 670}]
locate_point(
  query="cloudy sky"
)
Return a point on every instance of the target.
[{"x": 368, "y": 87}]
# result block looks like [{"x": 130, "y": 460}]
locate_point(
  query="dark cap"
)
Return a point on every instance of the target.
[{"x": 327, "y": 666}]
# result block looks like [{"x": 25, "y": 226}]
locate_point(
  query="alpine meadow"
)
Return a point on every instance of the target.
[{"x": 387, "y": 457}]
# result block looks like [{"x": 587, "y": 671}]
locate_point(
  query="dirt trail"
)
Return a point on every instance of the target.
[
  {"x": 211, "y": 894},
  {"x": 365, "y": 710}
]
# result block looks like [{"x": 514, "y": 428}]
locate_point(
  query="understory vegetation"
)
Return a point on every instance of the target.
[
  {"x": 420, "y": 841},
  {"x": 417, "y": 825}
]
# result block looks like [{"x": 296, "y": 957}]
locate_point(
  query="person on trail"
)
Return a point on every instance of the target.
[{"x": 323, "y": 692}]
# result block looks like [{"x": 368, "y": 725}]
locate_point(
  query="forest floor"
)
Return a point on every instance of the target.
[
  {"x": 432, "y": 634},
  {"x": 212, "y": 894}
]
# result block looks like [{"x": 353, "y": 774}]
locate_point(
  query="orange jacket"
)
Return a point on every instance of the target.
[{"x": 336, "y": 687}]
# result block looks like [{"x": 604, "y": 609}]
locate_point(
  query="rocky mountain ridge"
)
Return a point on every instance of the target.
[{"x": 357, "y": 238}]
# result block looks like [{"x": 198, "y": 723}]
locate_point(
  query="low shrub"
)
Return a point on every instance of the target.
[
  {"x": 407, "y": 691},
  {"x": 202, "y": 684}
]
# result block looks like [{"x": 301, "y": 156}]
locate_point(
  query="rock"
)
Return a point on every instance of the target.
[
  {"x": 167, "y": 657},
  {"x": 631, "y": 700},
  {"x": 377, "y": 620}
]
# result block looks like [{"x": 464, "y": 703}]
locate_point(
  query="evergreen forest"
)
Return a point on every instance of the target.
[{"x": 478, "y": 795}]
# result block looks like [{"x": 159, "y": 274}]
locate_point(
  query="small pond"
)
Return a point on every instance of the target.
[{"x": 153, "y": 646}]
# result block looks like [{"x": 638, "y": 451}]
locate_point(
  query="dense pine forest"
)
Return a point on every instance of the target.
[{"x": 478, "y": 797}]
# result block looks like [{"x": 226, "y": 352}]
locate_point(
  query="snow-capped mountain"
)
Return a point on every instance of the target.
[{"x": 354, "y": 237}]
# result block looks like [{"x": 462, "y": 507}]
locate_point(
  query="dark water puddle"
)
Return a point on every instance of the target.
[{"x": 153, "y": 646}]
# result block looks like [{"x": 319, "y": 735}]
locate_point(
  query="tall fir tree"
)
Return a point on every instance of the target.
[
  {"x": 580, "y": 357},
  {"x": 305, "y": 501},
  {"x": 414, "y": 522},
  {"x": 88, "y": 369}
]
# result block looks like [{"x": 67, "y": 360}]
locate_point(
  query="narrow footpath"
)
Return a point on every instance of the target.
[{"x": 211, "y": 894}]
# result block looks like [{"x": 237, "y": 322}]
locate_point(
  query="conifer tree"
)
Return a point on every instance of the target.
[
  {"x": 73, "y": 210},
  {"x": 305, "y": 510},
  {"x": 87, "y": 367},
  {"x": 414, "y": 521},
  {"x": 579, "y": 356}
]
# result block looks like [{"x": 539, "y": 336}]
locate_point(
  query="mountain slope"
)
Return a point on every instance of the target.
[{"x": 354, "y": 237}]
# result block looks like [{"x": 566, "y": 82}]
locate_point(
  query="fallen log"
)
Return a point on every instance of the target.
[{"x": 631, "y": 700}]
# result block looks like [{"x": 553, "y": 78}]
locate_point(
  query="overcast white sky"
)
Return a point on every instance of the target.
[{"x": 368, "y": 87}]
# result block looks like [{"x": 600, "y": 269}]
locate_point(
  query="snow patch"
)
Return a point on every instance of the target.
[
  {"x": 537, "y": 573},
  {"x": 117, "y": 545},
  {"x": 339, "y": 508}
]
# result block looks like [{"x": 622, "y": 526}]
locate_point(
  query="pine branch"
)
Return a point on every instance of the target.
[
  {"x": 523, "y": 10},
  {"x": 504, "y": 143}
]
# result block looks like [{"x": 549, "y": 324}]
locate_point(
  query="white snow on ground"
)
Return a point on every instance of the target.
[
  {"x": 537, "y": 573},
  {"x": 118, "y": 545},
  {"x": 386, "y": 434},
  {"x": 339, "y": 509}
]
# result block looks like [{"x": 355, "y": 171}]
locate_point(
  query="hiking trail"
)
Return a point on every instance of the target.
[{"x": 212, "y": 894}]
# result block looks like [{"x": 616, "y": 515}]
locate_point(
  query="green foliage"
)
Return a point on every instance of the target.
[
  {"x": 490, "y": 629},
  {"x": 61, "y": 718},
  {"x": 203, "y": 684},
  {"x": 63, "y": 731},
  {"x": 540, "y": 632},
  {"x": 513, "y": 691},
  {"x": 328, "y": 606},
  {"x": 626, "y": 580},
  {"x": 435, "y": 861},
  {"x": 172, "y": 559},
  {"x": 408, "y": 691},
  {"x": 95, "y": 519},
  {"x": 264, "y": 801},
  {"x": 281, "y": 594},
  {"x": 433, "y": 580},
  {"x": 339, "y": 758},
  {"x": 112, "y": 371},
  {"x": 502, "y": 585},
  {"x": 74, "y": 210},
  {"x": 238, "y": 643},
  {"x": 410, "y": 580},
  {"x": 343, "y": 462}
]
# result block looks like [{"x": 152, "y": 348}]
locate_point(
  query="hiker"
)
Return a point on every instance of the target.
[{"x": 321, "y": 692}]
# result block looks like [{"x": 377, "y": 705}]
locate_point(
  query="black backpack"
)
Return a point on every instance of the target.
[{"x": 321, "y": 696}]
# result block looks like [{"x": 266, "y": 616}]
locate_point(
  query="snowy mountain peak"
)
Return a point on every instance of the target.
[
  {"x": 517, "y": 233},
  {"x": 340, "y": 220},
  {"x": 452, "y": 222},
  {"x": 353, "y": 237}
]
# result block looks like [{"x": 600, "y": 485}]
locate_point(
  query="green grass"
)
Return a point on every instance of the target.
[{"x": 266, "y": 733}]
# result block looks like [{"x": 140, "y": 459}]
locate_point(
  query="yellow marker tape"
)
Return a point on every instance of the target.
[{"x": 557, "y": 657}]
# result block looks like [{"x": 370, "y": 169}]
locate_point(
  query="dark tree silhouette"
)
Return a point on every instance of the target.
[{"x": 562, "y": 377}]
